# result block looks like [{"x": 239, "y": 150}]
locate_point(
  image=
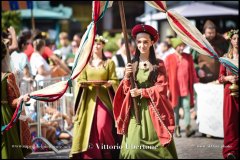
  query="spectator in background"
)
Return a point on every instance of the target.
[
  {"x": 120, "y": 59},
  {"x": 70, "y": 57},
  {"x": 182, "y": 76},
  {"x": 19, "y": 58},
  {"x": 47, "y": 52},
  {"x": 50, "y": 43},
  {"x": 64, "y": 45},
  {"x": 168, "y": 40},
  {"x": 57, "y": 71},
  {"x": 40, "y": 68},
  {"x": 164, "y": 50},
  {"x": 161, "y": 47},
  {"x": 10, "y": 34},
  {"x": 208, "y": 68},
  {"x": 77, "y": 38}
]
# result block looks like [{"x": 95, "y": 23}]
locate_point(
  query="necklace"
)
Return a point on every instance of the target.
[{"x": 144, "y": 64}]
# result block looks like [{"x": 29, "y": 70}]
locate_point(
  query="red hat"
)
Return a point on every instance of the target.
[{"x": 146, "y": 29}]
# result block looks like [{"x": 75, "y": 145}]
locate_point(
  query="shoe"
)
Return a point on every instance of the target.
[
  {"x": 177, "y": 132},
  {"x": 231, "y": 156},
  {"x": 189, "y": 132},
  {"x": 208, "y": 136},
  {"x": 59, "y": 144}
]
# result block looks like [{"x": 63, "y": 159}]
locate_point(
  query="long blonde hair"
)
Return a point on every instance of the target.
[
  {"x": 230, "y": 49},
  {"x": 230, "y": 52}
]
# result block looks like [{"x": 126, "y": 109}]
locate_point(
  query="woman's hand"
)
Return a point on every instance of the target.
[
  {"x": 13, "y": 38},
  {"x": 108, "y": 84},
  {"x": 84, "y": 85},
  {"x": 135, "y": 92},
  {"x": 25, "y": 98},
  {"x": 128, "y": 70},
  {"x": 232, "y": 79}
]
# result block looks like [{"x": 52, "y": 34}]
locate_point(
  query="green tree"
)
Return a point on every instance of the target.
[
  {"x": 112, "y": 44},
  {"x": 11, "y": 18}
]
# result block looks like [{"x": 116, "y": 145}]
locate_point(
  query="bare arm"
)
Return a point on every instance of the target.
[
  {"x": 43, "y": 72},
  {"x": 13, "y": 37},
  {"x": 60, "y": 63}
]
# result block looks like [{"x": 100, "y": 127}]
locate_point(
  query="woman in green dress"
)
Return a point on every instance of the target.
[
  {"x": 94, "y": 134},
  {"x": 12, "y": 139},
  {"x": 152, "y": 138}
]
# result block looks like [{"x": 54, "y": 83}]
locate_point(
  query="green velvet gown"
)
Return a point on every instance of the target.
[
  {"x": 141, "y": 141},
  {"x": 87, "y": 103},
  {"x": 11, "y": 146}
]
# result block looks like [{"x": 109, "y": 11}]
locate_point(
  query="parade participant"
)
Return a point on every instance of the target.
[
  {"x": 94, "y": 123},
  {"x": 153, "y": 138},
  {"x": 12, "y": 139},
  {"x": 207, "y": 68},
  {"x": 182, "y": 76},
  {"x": 231, "y": 103}
]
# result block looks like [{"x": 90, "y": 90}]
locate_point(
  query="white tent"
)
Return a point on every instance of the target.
[{"x": 192, "y": 9}]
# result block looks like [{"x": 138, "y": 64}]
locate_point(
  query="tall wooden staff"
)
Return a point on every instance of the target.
[
  {"x": 32, "y": 20},
  {"x": 124, "y": 28}
]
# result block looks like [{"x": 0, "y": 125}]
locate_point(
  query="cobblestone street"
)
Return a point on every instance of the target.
[{"x": 196, "y": 147}]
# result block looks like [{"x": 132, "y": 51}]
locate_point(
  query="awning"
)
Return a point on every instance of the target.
[
  {"x": 192, "y": 9},
  {"x": 44, "y": 14}
]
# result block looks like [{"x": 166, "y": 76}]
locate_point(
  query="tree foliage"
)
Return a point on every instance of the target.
[
  {"x": 11, "y": 18},
  {"x": 113, "y": 42}
]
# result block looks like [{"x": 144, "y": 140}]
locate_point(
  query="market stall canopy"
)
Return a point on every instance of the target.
[
  {"x": 41, "y": 9},
  {"x": 45, "y": 14},
  {"x": 192, "y": 9}
]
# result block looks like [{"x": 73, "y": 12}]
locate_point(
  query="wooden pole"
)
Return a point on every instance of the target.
[
  {"x": 124, "y": 28},
  {"x": 32, "y": 19}
]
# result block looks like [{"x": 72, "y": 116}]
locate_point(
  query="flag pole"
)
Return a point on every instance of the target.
[
  {"x": 124, "y": 28},
  {"x": 32, "y": 19}
]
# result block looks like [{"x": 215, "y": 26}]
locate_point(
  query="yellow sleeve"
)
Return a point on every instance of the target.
[{"x": 112, "y": 76}]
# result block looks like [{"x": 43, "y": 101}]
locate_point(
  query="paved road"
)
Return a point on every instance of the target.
[{"x": 196, "y": 147}]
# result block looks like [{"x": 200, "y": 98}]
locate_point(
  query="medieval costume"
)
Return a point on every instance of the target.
[
  {"x": 12, "y": 139},
  {"x": 153, "y": 137},
  {"x": 182, "y": 76},
  {"x": 230, "y": 115},
  {"x": 94, "y": 123},
  {"x": 15, "y": 135},
  {"x": 209, "y": 65}
]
